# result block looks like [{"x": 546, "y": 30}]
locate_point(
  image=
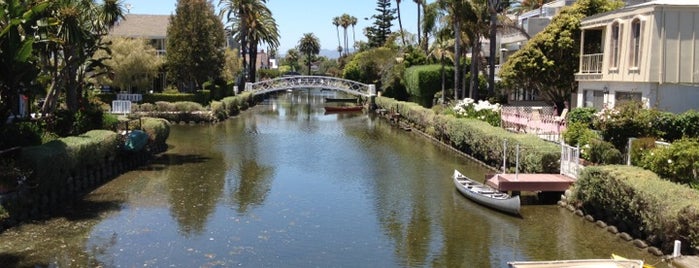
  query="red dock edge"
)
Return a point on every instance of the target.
[{"x": 530, "y": 182}]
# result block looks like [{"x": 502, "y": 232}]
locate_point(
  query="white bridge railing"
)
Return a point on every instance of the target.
[
  {"x": 130, "y": 97},
  {"x": 121, "y": 107},
  {"x": 303, "y": 81}
]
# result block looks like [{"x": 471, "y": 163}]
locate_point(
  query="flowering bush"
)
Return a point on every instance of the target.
[{"x": 481, "y": 110}]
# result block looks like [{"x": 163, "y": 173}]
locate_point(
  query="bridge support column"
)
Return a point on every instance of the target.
[{"x": 372, "y": 95}]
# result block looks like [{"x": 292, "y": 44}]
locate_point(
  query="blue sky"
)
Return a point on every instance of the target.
[{"x": 296, "y": 17}]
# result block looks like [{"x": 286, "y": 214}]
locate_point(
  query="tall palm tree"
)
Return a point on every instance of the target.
[
  {"x": 345, "y": 22},
  {"x": 336, "y": 22},
  {"x": 309, "y": 46},
  {"x": 431, "y": 16},
  {"x": 400, "y": 22},
  {"x": 441, "y": 50},
  {"x": 419, "y": 4},
  {"x": 252, "y": 24},
  {"x": 495, "y": 7},
  {"x": 454, "y": 10},
  {"x": 353, "y": 22}
]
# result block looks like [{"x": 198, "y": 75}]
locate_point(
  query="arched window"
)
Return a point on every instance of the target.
[
  {"x": 635, "y": 48},
  {"x": 615, "y": 43}
]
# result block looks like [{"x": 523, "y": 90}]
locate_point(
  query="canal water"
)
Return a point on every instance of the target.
[{"x": 285, "y": 185}]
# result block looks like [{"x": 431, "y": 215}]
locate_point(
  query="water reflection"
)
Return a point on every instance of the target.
[{"x": 284, "y": 185}]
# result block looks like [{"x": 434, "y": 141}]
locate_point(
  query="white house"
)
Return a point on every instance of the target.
[{"x": 648, "y": 52}]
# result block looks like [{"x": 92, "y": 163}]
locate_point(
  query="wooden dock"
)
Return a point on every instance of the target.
[{"x": 530, "y": 182}]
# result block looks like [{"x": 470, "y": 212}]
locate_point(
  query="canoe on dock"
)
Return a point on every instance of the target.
[{"x": 485, "y": 195}]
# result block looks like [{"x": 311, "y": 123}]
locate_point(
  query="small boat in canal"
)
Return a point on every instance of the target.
[
  {"x": 486, "y": 195},
  {"x": 583, "y": 263},
  {"x": 343, "y": 108},
  {"x": 341, "y": 100}
]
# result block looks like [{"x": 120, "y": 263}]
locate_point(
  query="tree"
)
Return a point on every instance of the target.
[
  {"x": 309, "y": 45},
  {"x": 337, "y": 22},
  {"x": 548, "y": 62},
  {"x": 353, "y": 22},
  {"x": 74, "y": 34},
  {"x": 195, "y": 40},
  {"x": 292, "y": 59},
  {"x": 133, "y": 63},
  {"x": 252, "y": 25},
  {"x": 383, "y": 21},
  {"x": 17, "y": 58},
  {"x": 495, "y": 7},
  {"x": 233, "y": 66},
  {"x": 400, "y": 22}
]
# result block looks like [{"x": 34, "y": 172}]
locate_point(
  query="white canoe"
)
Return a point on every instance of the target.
[
  {"x": 486, "y": 195},
  {"x": 584, "y": 263}
]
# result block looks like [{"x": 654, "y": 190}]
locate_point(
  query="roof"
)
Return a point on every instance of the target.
[
  {"x": 139, "y": 25},
  {"x": 671, "y": 3}
]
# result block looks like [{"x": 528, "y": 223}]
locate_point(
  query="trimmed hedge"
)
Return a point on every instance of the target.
[
  {"x": 637, "y": 201},
  {"x": 479, "y": 139},
  {"x": 423, "y": 81},
  {"x": 53, "y": 162}
]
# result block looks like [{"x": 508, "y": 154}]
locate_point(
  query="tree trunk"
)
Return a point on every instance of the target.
[
  {"x": 419, "y": 38},
  {"x": 475, "y": 52},
  {"x": 400, "y": 23},
  {"x": 457, "y": 58},
  {"x": 493, "y": 47},
  {"x": 444, "y": 90},
  {"x": 252, "y": 69}
]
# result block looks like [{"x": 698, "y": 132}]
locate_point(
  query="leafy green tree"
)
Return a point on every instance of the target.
[
  {"x": 381, "y": 29},
  {"x": 133, "y": 63},
  {"x": 309, "y": 45},
  {"x": 195, "y": 40},
  {"x": 17, "y": 60},
  {"x": 233, "y": 66},
  {"x": 74, "y": 32},
  {"x": 548, "y": 62}
]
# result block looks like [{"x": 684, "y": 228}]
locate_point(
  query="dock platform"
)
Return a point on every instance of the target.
[{"x": 530, "y": 182}]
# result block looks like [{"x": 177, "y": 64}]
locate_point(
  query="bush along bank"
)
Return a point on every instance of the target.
[
  {"x": 639, "y": 203},
  {"x": 479, "y": 139},
  {"x": 192, "y": 112},
  {"x": 64, "y": 170}
]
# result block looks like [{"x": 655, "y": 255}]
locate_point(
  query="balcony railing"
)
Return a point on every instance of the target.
[{"x": 592, "y": 63}]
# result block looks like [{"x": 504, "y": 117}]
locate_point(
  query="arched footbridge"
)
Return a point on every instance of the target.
[{"x": 307, "y": 81}]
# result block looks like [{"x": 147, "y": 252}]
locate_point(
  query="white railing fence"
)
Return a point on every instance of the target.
[
  {"x": 121, "y": 107},
  {"x": 130, "y": 97},
  {"x": 570, "y": 160}
]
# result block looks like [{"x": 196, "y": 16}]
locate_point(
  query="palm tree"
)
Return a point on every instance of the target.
[
  {"x": 495, "y": 7},
  {"x": 309, "y": 46},
  {"x": 292, "y": 59},
  {"x": 430, "y": 19},
  {"x": 76, "y": 30},
  {"x": 441, "y": 50},
  {"x": 419, "y": 4},
  {"x": 353, "y": 22},
  {"x": 336, "y": 22},
  {"x": 345, "y": 22},
  {"x": 400, "y": 23},
  {"x": 454, "y": 10},
  {"x": 252, "y": 24}
]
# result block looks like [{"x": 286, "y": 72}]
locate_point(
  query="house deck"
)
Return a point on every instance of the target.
[{"x": 530, "y": 182}]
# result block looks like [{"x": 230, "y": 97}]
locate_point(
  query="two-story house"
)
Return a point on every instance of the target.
[{"x": 647, "y": 52}]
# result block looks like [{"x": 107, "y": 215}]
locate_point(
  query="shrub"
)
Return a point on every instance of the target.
[
  {"x": 187, "y": 106},
  {"x": 218, "y": 109},
  {"x": 687, "y": 124},
  {"x": 602, "y": 152},
  {"x": 583, "y": 115},
  {"x": 423, "y": 81},
  {"x": 625, "y": 121},
  {"x": 678, "y": 163},
  {"x": 579, "y": 133},
  {"x": 146, "y": 107},
  {"x": 640, "y": 148},
  {"x": 164, "y": 106},
  {"x": 482, "y": 110},
  {"x": 638, "y": 202},
  {"x": 20, "y": 134}
]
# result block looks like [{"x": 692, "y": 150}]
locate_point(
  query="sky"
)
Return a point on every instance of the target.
[{"x": 296, "y": 17}]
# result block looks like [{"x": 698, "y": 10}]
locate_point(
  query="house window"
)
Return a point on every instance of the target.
[
  {"x": 616, "y": 34},
  {"x": 635, "y": 43},
  {"x": 623, "y": 97},
  {"x": 593, "y": 98}
]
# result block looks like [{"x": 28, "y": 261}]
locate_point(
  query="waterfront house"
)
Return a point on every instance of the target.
[{"x": 645, "y": 52}]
